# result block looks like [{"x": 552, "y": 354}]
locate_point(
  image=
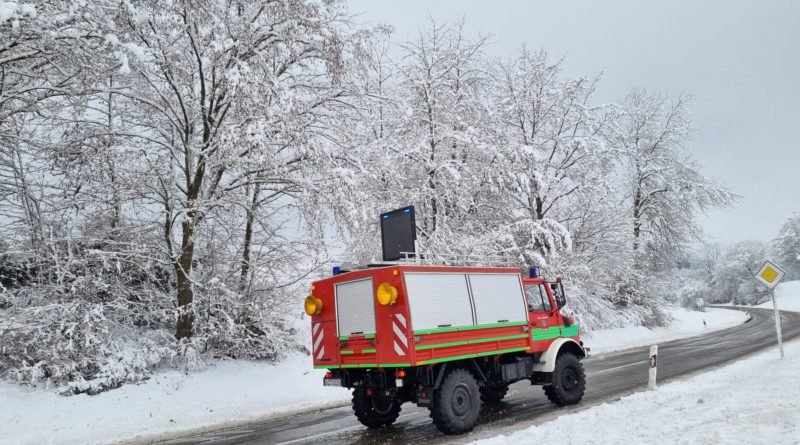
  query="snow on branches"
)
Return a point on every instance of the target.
[{"x": 173, "y": 174}]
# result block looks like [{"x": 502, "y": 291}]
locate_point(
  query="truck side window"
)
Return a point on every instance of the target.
[
  {"x": 537, "y": 298},
  {"x": 545, "y": 300}
]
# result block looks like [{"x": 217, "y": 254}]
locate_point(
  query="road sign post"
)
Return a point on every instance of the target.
[
  {"x": 777, "y": 322},
  {"x": 770, "y": 275}
]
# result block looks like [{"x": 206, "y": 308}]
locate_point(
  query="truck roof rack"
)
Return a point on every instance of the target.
[
  {"x": 432, "y": 259},
  {"x": 445, "y": 259}
]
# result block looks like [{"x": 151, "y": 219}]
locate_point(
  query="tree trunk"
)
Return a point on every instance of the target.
[
  {"x": 111, "y": 161},
  {"x": 30, "y": 204},
  {"x": 637, "y": 222},
  {"x": 248, "y": 239},
  {"x": 183, "y": 272}
]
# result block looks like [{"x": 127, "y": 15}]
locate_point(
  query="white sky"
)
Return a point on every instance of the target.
[{"x": 740, "y": 60}]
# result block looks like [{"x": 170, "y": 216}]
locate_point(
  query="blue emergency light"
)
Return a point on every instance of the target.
[
  {"x": 336, "y": 270},
  {"x": 533, "y": 272}
]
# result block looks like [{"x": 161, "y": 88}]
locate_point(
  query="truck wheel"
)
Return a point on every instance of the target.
[
  {"x": 375, "y": 412},
  {"x": 457, "y": 403},
  {"x": 493, "y": 394},
  {"x": 568, "y": 382}
]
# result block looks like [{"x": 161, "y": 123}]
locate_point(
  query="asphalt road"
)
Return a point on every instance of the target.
[{"x": 609, "y": 376}]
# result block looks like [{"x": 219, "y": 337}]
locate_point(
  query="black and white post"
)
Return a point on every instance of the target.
[{"x": 651, "y": 382}]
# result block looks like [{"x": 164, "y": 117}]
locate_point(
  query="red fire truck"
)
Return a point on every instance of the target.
[{"x": 445, "y": 337}]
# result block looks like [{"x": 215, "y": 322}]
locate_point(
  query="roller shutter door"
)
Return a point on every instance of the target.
[
  {"x": 355, "y": 307},
  {"x": 438, "y": 300},
  {"x": 498, "y": 297}
]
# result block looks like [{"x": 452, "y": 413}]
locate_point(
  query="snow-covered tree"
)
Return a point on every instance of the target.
[
  {"x": 551, "y": 157},
  {"x": 47, "y": 58},
  {"x": 428, "y": 145},
  {"x": 440, "y": 136},
  {"x": 225, "y": 96},
  {"x": 665, "y": 188},
  {"x": 191, "y": 163},
  {"x": 179, "y": 150},
  {"x": 785, "y": 247},
  {"x": 735, "y": 277}
]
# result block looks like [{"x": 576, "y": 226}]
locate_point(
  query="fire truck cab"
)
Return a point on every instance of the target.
[{"x": 445, "y": 337}]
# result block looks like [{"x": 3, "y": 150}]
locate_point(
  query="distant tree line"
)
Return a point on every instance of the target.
[{"x": 726, "y": 274}]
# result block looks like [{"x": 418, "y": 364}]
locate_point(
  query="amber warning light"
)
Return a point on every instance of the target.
[{"x": 312, "y": 305}]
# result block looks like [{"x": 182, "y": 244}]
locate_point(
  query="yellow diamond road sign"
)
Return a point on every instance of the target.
[{"x": 770, "y": 274}]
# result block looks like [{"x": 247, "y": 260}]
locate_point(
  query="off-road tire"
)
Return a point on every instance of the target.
[
  {"x": 568, "y": 381},
  {"x": 457, "y": 403},
  {"x": 374, "y": 412},
  {"x": 493, "y": 394}
]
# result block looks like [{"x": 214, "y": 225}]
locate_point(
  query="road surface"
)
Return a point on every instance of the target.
[{"x": 609, "y": 376}]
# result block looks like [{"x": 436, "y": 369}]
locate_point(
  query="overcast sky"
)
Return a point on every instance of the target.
[{"x": 740, "y": 60}]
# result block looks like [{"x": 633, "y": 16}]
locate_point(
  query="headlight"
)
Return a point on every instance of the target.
[
  {"x": 386, "y": 294},
  {"x": 312, "y": 305}
]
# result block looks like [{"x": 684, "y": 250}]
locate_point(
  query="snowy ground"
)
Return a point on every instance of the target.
[
  {"x": 233, "y": 393},
  {"x": 230, "y": 393},
  {"x": 735, "y": 404},
  {"x": 685, "y": 324},
  {"x": 787, "y": 295}
]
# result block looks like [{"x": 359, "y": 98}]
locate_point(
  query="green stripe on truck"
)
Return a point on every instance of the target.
[
  {"x": 504, "y": 337},
  {"x": 461, "y": 357},
  {"x": 470, "y": 342},
  {"x": 492, "y": 325},
  {"x": 434, "y": 331}
]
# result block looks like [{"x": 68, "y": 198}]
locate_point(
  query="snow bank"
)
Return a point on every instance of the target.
[
  {"x": 734, "y": 404},
  {"x": 685, "y": 324},
  {"x": 787, "y": 295},
  {"x": 171, "y": 402}
]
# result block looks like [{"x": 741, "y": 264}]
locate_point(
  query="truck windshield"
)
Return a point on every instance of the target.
[{"x": 537, "y": 298}]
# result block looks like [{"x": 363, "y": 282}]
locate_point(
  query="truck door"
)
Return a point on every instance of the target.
[{"x": 542, "y": 309}]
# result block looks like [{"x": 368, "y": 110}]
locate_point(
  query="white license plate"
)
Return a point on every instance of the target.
[{"x": 332, "y": 382}]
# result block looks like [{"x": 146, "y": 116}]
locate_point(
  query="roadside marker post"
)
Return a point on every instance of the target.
[
  {"x": 770, "y": 275},
  {"x": 651, "y": 382}
]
